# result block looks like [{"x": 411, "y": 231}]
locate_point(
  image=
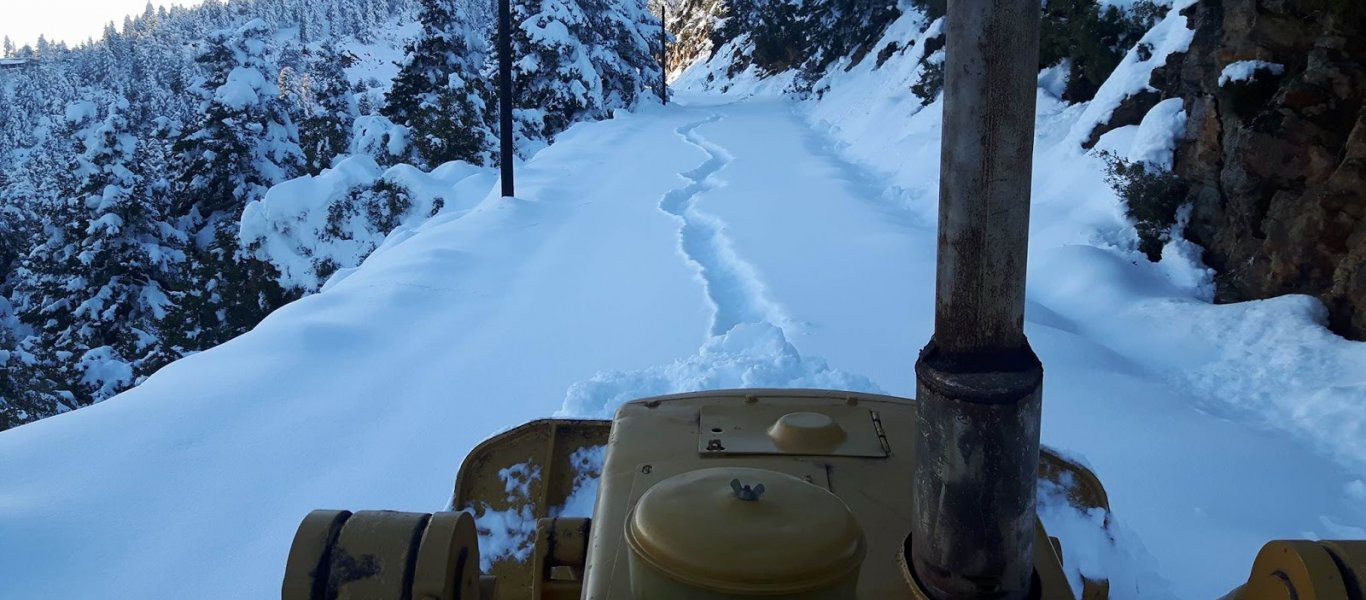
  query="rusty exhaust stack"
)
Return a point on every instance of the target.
[{"x": 978, "y": 381}]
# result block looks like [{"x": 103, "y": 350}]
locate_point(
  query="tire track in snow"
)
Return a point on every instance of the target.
[{"x": 732, "y": 286}]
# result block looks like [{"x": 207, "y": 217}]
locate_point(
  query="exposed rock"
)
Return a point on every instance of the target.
[{"x": 1277, "y": 162}]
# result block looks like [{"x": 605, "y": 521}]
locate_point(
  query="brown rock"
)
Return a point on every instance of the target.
[{"x": 1277, "y": 165}]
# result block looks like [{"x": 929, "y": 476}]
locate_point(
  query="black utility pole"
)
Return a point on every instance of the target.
[
  {"x": 505, "y": 94},
  {"x": 664, "y": 53}
]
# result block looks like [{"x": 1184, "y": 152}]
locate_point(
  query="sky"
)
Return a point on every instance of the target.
[{"x": 71, "y": 21}]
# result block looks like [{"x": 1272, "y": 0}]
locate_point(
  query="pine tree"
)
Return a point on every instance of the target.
[
  {"x": 93, "y": 290},
  {"x": 244, "y": 143},
  {"x": 208, "y": 138},
  {"x": 323, "y": 102},
  {"x": 836, "y": 29},
  {"x": 577, "y": 60},
  {"x": 438, "y": 93},
  {"x": 624, "y": 48},
  {"x": 358, "y": 18},
  {"x": 23, "y": 396},
  {"x": 305, "y": 27},
  {"x": 16, "y": 228},
  {"x": 696, "y": 24},
  {"x": 15, "y": 232},
  {"x": 554, "y": 80}
]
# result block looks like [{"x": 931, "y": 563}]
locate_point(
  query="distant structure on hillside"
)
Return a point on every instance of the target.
[{"x": 14, "y": 63}]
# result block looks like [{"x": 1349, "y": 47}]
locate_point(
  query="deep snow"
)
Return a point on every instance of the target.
[{"x": 713, "y": 244}]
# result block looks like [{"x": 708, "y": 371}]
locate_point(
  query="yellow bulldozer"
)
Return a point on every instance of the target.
[{"x": 804, "y": 494}]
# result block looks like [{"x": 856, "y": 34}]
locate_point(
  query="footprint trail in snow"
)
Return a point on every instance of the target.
[
  {"x": 733, "y": 288},
  {"x": 747, "y": 345}
]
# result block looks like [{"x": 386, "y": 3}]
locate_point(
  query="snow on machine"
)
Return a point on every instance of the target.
[{"x": 803, "y": 494}]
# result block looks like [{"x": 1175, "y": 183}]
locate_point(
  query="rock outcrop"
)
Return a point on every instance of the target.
[{"x": 1275, "y": 150}]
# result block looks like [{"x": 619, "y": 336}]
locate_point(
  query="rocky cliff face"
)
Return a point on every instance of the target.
[{"x": 1275, "y": 151}]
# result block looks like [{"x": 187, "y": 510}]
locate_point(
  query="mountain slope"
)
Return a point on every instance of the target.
[{"x": 185, "y": 118}]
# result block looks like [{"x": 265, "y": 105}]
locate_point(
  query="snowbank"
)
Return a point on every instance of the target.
[
  {"x": 380, "y": 139},
  {"x": 712, "y": 75},
  {"x": 313, "y": 226},
  {"x": 1158, "y": 133},
  {"x": 1284, "y": 339}
]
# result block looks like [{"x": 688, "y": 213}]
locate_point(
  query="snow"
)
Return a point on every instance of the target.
[
  {"x": 108, "y": 223},
  {"x": 1172, "y": 35},
  {"x": 1099, "y": 548},
  {"x": 243, "y": 88},
  {"x": 378, "y": 62},
  {"x": 1181, "y": 261},
  {"x": 1173, "y": 400},
  {"x": 735, "y": 239},
  {"x": 379, "y": 138},
  {"x": 1158, "y": 134},
  {"x": 1245, "y": 70},
  {"x": 104, "y": 370},
  {"x": 80, "y": 111},
  {"x": 587, "y": 463},
  {"x": 508, "y": 533},
  {"x": 1053, "y": 80},
  {"x": 297, "y": 228},
  {"x": 713, "y": 75}
]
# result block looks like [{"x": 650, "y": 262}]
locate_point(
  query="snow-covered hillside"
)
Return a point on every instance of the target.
[
  {"x": 727, "y": 240},
  {"x": 132, "y": 257}
]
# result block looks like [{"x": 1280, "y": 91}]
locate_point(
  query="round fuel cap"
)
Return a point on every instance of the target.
[{"x": 745, "y": 531}]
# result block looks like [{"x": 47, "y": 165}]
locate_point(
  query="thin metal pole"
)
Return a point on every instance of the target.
[
  {"x": 505, "y": 148},
  {"x": 979, "y": 385},
  {"x": 664, "y": 53}
]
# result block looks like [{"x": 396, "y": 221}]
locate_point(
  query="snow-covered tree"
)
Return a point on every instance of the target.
[
  {"x": 576, "y": 60},
  {"x": 625, "y": 49},
  {"x": 24, "y": 397},
  {"x": 214, "y": 125},
  {"x": 243, "y": 143},
  {"x": 555, "y": 83},
  {"x": 438, "y": 93},
  {"x": 693, "y": 23},
  {"x": 323, "y": 103},
  {"x": 836, "y": 29},
  {"x": 92, "y": 290},
  {"x": 16, "y": 227}
]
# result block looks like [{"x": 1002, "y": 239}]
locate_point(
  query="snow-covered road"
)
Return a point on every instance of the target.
[{"x": 679, "y": 248}]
